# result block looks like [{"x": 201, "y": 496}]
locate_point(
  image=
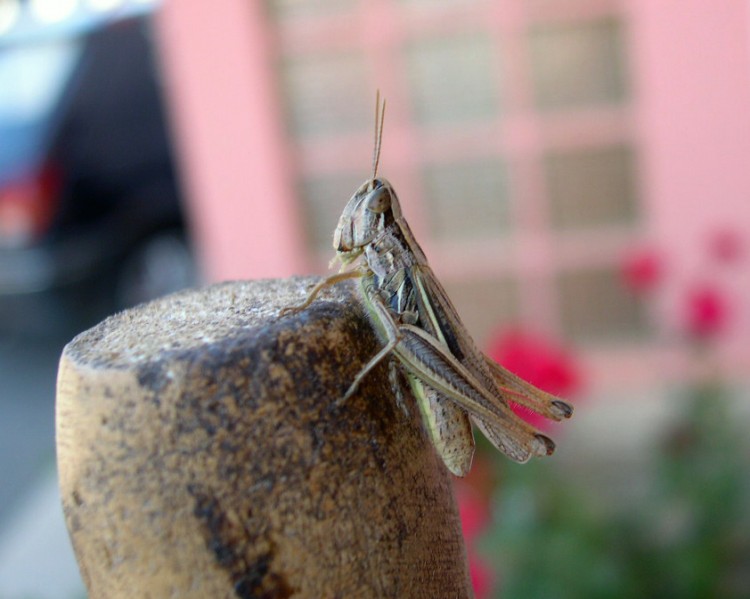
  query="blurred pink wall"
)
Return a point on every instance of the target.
[
  {"x": 691, "y": 70},
  {"x": 228, "y": 123}
]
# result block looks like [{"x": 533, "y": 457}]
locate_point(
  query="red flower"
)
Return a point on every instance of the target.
[
  {"x": 641, "y": 271},
  {"x": 707, "y": 311},
  {"x": 474, "y": 512},
  {"x": 538, "y": 422},
  {"x": 540, "y": 362},
  {"x": 725, "y": 246},
  {"x": 482, "y": 576}
]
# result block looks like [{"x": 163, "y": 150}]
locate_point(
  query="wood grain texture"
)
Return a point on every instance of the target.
[{"x": 201, "y": 455}]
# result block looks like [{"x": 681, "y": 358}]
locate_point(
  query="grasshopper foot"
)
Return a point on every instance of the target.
[
  {"x": 562, "y": 408},
  {"x": 545, "y": 445},
  {"x": 289, "y": 310},
  {"x": 345, "y": 397}
]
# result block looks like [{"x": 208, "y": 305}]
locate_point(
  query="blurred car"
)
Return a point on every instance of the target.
[{"x": 90, "y": 206}]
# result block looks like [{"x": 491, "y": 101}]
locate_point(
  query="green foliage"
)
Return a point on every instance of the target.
[{"x": 688, "y": 537}]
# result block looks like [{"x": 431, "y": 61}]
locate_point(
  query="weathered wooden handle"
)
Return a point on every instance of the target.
[{"x": 201, "y": 455}]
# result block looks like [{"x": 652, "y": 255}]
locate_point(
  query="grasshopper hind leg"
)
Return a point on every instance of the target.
[{"x": 521, "y": 445}]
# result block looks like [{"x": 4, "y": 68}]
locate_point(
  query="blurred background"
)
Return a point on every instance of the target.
[{"x": 577, "y": 171}]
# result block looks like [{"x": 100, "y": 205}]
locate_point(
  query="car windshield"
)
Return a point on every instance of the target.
[{"x": 32, "y": 79}]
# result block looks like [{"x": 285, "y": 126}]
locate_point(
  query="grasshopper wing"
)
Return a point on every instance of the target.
[
  {"x": 448, "y": 426},
  {"x": 527, "y": 395}
]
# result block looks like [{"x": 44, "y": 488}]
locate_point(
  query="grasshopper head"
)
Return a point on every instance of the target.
[{"x": 372, "y": 207}]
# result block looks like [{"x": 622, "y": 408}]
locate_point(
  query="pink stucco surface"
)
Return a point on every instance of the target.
[
  {"x": 691, "y": 68},
  {"x": 227, "y": 119}
]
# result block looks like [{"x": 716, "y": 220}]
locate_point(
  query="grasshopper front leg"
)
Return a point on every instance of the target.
[{"x": 332, "y": 280}]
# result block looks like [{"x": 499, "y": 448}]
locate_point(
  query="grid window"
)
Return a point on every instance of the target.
[
  {"x": 438, "y": 4},
  {"x": 452, "y": 79},
  {"x": 590, "y": 188},
  {"x": 594, "y": 305},
  {"x": 467, "y": 200},
  {"x": 485, "y": 305},
  {"x": 327, "y": 95},
  {"x": 310, "y": 8},
  {"x": 453, "y": 73},
  {"x": 324, "y": 199},
  {"x": 578, "y": 65}
]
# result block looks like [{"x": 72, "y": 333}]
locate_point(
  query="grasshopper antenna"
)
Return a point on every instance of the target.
[{"x": 379, "y": 116}]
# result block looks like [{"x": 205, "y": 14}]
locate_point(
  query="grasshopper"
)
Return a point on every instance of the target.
[{"x": 451, "y": 379}]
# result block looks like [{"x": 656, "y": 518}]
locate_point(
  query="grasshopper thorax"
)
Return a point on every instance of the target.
[{"x": 371, "y": 209}]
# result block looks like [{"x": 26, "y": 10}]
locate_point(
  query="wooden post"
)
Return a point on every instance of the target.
[{"x": 201, "y": 454}]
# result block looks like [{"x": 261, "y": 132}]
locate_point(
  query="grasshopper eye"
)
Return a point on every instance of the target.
[{"x": 379, "y": 200}]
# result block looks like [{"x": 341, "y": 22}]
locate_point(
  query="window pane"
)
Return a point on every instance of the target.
[
  {"x": 578, "y": 65},
  {"x": 595, "y": 305},
  {"x": 305, "y": 8},
  {"x": 323, "y": 200},
  {"x": 437, "y": 4},
  {"x": 590, "y": 188},
  {"x": 484, "y": 305},
  {"x": 467, "y": 200},
  {"x": 327, "y": 95},
  {"x": 452, "y": 79}
]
